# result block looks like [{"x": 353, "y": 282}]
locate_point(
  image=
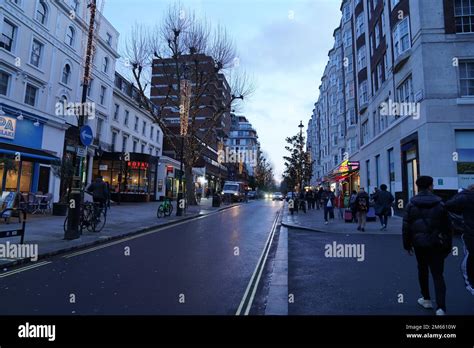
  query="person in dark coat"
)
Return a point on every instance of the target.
[
  {"x": 352, "y": 205},
  {"x": 310, "y": 199},
  {"x": 383, "y": 205},
  {"x": 328, "y": 201},
  {"x": 426, "y": 231},
  {"x": 318, "y": 198},
  {"x": 98, "y": 190},
  {"x": 463, "y": 204},
  {"x": 362, "y": 208}
]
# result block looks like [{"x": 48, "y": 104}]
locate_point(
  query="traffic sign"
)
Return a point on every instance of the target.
[
  {"x": 86, "y": 135},
  {"x": 81, "y": 151}
]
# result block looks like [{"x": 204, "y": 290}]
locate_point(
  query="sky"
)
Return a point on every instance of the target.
[{"x": 282, "y": 44}]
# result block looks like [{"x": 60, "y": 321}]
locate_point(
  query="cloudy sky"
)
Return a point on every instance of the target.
[{"x": 283, "y": 44}]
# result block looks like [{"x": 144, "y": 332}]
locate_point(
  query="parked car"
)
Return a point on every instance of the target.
[
  {"x": 252, "y": 195},
  {"x": 277, "y": 196},
  {"x": 234, "y": 189}
]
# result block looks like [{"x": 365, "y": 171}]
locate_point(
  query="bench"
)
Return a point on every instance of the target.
[{"x": 9, "y": 229}]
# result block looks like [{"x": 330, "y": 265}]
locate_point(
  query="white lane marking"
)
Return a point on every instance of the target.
[
  {"x": 123, "y": 240},
  {"x": 26, "y": 268},
  {"x": 264, "y": 254}
]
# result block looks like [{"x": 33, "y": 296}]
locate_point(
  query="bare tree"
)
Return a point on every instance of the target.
[{"x": 184, "y": 40}]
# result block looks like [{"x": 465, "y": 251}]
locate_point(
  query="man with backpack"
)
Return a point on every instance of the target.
[
  {"x": 426, "y": 231},
  {"x": 362, "y": 207},
  {"x": 463, "y": 204}
]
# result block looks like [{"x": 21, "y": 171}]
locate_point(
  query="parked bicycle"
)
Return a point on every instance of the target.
[
  {"x": 92, "y": 217},
  {"x": 165, "y": 209}
]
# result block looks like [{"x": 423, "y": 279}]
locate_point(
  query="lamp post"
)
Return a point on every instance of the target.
[{"x": 301, "y": 153}]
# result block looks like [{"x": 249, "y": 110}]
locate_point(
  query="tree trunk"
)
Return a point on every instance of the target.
[{"x": 190, "y": 188}]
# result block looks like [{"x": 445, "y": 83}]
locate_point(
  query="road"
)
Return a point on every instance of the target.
[
  {"x": 200, "y": 266},
  {"x": 336, "y": 286}
]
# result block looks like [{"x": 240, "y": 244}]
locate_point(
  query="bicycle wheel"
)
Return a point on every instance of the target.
[
  {"x": 88, "y": 220},
  {"x": 100, "y": 221},
  {"x": 168, "y": 210},
  {"x": 65, "y": 224},
  {"x": 160, "y": 212}
]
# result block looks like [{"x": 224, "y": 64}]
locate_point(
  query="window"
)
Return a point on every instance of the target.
[
  {"x": 36, "y": 52},
  {"x": 66, "y": 74},
  {"x": 466, "y": 78},
  {"x": 394, "y": 3},
  {"x": 385, "y": 64},
  {"x": 157, "y": 135},
  {"x": 377, "y": 35},
  {"x": 351, "y": 117},
  {"x": 401, "y": 37},
  {"x": 337, "y": 38},
  {"x": 363, "y": 93},
  {"x": 136, "y": 124},
  {"x": 89, "y": 87},
  {"x": 143, "y": 148},
  {"x": 4, "y": 80},
  {"x": 124, "y": 143},
  {"x": 367, "y": 168},
  {"x": 347, "y": 38},
  {"x": 125, "y": 119},
  {"x": 346, "y": 13},
  {"x": 391, "y": 169},
  {"x": 405, "y": 91},
  {"x": 144, "y": 128},
  {"x": 8, "y": 35},
  {"x": 70, "y": 36},
  {"x": 361, "y": 58},
  {"x": 464, "y": 16},
  {"x": 100, "y": 124},
  {"x": 105, "y": 65},
  {"x": 380, "y": 76},
  {"x": 41, "y": 12},
  {"x": 31, "y": 94},
  {"x": 108, "y": 39},
  {"x": 135, "y": 146},
  {"x": 365, "y": 132},
  {"x": 377, "y": 164},
  {"x": 114, "y": 140},
  {"x": 103, "y": 92},
  {"x": 152, "y": 131},
  {"x": 349, "y": 63},
  {"x": 116, "y": 112},
  {"x": 360, "y": 25},
  {"x": 350, "y": 89}
]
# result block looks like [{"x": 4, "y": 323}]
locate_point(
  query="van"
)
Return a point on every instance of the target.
[{"x": 234, "y": 189}]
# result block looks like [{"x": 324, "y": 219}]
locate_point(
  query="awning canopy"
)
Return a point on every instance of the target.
[{"x": 27, "y": 153}]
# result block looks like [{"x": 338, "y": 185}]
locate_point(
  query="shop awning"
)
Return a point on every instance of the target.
[{"x": 28, "y": 153}]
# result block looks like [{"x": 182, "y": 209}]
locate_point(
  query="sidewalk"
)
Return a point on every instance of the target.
[
  {"x": 314, "y": 220},
  {"x": 124, "y": 220}
]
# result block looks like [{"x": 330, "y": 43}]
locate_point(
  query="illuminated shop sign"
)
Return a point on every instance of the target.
[
  {"x": 7, "y": 127},
  {"x": 137, "y": 165}
]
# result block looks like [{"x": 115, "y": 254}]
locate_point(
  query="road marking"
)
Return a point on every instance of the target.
[
  {"x": 26, "y": 268},
  {"x": 123, "y": 240},
  {"x": 258, "y": 269}
]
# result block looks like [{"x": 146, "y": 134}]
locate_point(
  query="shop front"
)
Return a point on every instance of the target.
[
  {"x": 24, "y": 166},
  {"x": 345, "y": 177},
  {"x": 131, "y": 178}
]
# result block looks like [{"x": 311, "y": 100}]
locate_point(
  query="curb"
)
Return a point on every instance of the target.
[
  {"x": 109, "y": 239},
  {"x": 305, "y": 228}
]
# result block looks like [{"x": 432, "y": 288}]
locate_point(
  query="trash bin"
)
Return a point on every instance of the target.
[{"x": 216, "y": 201}]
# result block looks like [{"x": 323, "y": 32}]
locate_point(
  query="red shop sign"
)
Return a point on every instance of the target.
[{"x": 137, "y": 165}]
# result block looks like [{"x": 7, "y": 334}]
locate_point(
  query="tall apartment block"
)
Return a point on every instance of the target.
[{"x": 405, "y": 104}]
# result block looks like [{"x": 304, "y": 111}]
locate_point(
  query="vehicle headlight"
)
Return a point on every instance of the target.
[{"x": 236, "y": 194}]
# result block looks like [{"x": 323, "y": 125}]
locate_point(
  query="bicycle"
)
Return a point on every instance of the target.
[
  {"x": 92, "y": 217},
  {"x": 164, "y": 209}
]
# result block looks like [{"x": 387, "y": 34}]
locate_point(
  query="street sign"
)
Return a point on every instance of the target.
[
  {"x": 81, "y": 151},
  {"x": 86, "y": 135},
  {"x": 103, "y": 167}
]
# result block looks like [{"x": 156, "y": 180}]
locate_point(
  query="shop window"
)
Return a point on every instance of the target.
[{"x": 26, "y": 176}]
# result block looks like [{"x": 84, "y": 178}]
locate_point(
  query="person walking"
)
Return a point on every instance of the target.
[
  {"x": 463, "y": 204},
  {"x": 328, "y": 200},
  {"x": 310, "y": 199},
  {"x": 362, "y": 207},
  {"x": 319, "y": 194},
  {"x": 352, "y": 205},
  {"x": 383, "y": 200},
  {"x": 426, "y": 232},
  {"x": 340, "y": 204}
]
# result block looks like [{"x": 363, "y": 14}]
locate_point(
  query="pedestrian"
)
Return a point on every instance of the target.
[
  {"x": 340, "y": 204},
  {"x": 362, "y": 207},
  {"x": 383, "y": 200},
  {"x": 352, "y": 205},
  {"x": 463, "y": 204},
  {"x": 319, "y": 202},
  {"x": 328, "y": 201},
  {"x": 426, "y": 231},
  {"x": 310, "y": 199},
  {"x": 302, "y": 201}
]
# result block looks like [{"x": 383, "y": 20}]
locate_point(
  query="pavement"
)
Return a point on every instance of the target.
[
  {"x": 47, "y": 231},
  {"x": 313, "y": 220},
  {"x": 382, "y": 281},
  {"x": 201, "y": 266}
]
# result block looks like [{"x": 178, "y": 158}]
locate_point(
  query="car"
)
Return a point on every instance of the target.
[
  {"x": 277, "y": 196},
  {"x": 268, "y": 195},
  {"x": 252, "y": 195},
  {"x": 235, "y": 190}
]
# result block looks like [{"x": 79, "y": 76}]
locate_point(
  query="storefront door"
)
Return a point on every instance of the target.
[{"x": 43, "y": 182}]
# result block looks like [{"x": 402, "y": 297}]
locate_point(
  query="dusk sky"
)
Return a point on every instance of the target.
[{"x": 283, "y": 44}]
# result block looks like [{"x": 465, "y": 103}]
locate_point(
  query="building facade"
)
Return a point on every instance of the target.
[{"x": 414, "y": 100}]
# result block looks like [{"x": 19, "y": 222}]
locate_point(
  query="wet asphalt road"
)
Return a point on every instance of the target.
[
  {"x": 199, "y": 267},
  {"x": 337, "y": 286}
]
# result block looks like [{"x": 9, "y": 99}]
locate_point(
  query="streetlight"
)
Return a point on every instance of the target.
[{"x": 301, "y": 153}]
